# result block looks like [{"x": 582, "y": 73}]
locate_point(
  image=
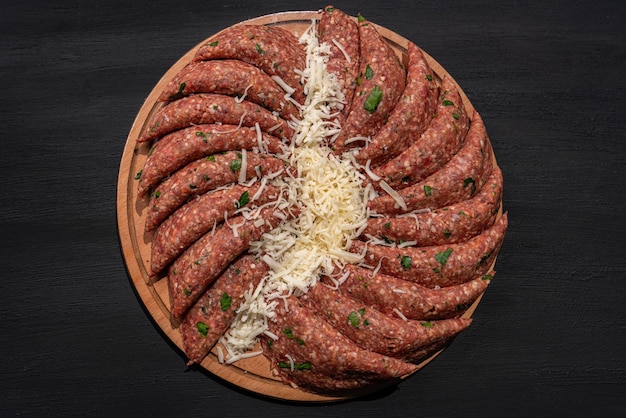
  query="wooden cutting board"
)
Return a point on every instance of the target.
[{"x": 251, "y": 374}]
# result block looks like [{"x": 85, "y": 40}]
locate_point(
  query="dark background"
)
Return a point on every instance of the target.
[{"x": 549, "y": 79}]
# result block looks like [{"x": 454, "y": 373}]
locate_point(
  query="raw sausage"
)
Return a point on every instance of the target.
[
  {"x": 232, "y": 78},
  {"x": 203, "y": 175},
  {"x": 181, "y": 147},
  {"x": 270, "y": 48},
  {"x": 201, "y": 263},
  {"x": 411, "y": 115},
  {"x": 439, "y": 265},
  {"x": 200, "y": 215},
  {"x": 463, "y": 176},
  {"x": 341, "y": 33},
  {"x": 435, "y": 147},
  {"x": 321, "y": 355},
  {"x": 380, "y": 84},
  {"x": 451, "y": 224},
  {"x": 213, "y": 313},
  {"x": 372, "y": 330},
  {"x": 213, "y": 108},
  {"x": 391, "y": 295}
]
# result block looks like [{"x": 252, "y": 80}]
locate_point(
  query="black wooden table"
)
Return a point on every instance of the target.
[{"x": 549, "y": 335}]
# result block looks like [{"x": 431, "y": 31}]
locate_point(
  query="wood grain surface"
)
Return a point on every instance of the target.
[
  {"x": 252, "y": 374},
  {"x": 547, "y": 340}
]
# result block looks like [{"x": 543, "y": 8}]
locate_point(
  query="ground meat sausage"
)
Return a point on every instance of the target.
[
  {"x": 196, "y": 268},
  {"x": 213, "y": 108},
  {"x": 341, "y": 33},
  {"x": 380, "y": 84},
  {"x": 322, "y": 357},
  {"x": 181, "y": 147},
  {"x": 232, "y": 78},
  {"x": 391, "y": 295},
  {"x": 460, "y": 179},
  {"x": 435, "y": 147},
  {"x": 411, "y": 115},
  {"x": 451, "y": 224},
  {"x": 202, "y": 176},
  {"x": 199, "y": 216},
  {"x": 213, "y": 313},
  {"x": 372, "y": 330},
  {"x": 273, "y": 49},
  {"x": 439, "y": 265}
]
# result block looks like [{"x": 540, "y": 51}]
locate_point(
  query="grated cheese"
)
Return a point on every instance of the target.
[{"x": 327, "y": 193}]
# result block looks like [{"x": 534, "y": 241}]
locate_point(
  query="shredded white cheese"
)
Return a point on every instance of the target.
[{"x": 327, "y": 193}]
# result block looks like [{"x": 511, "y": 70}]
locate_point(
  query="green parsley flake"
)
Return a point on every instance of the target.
[
  {"x": 235, "y": 165},
  {"x": 447, "y": 103},
  {"x": 373, "y": 100},
  {"x": 405, "y": 261},
  {"x": 353, "y": 319},
  {"x": 369, "y": 73},
  {"x": 202, "y": 328},
  {"x": 225, "y": 301},
  {"x": 442, "y": 257},
  {"x": 427, "y": 324},
  {"x": 243, "y": 200},
  {"x": 288, "y": 332},
  {"x": 428, "y": 191}
]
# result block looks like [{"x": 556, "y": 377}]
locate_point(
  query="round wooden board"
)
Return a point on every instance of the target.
[{"x": 251, "y": 374}]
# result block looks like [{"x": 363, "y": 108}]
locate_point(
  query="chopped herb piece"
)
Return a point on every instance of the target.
[
  {"x": 447, "y": 103},
  {"x": 300, "y": 341},
  {"x": 206, "y": 178},
  {"x": 427, "y": 324},
  {"x": 214, "y": 43},
  {"x": 193, "y": 186},
  {"x": 202, "y": 328},
  {"x": 151, "y": 151},
  {"x": 203, "y": 135},
  {"x": 386, "y": 239},
  {"x": 353, "y": 319},
  {"x": 387, "y": 225},
  {"x": 288, "y": 332},
  {"x": 259, "y": 49},
  {"x": 284, "y": 365},
  {"x": 225, "y": 301},
  {"x": 138, "y": 175},
  {"x": 487, "y": 277},
  {"x": 187, "y": 292},
  {"x": 235, "y": 165},
  {"x": 484, "y": 258},
  {"x": 215, "y": 107},
  {"x": 303, "y": 366},
  {"x": 455, "y": 115},
  {"x": 366, "y": 322},
  {"x": 179, "y": 93},
  {"x": 269, "y": 343},
  {"x": 405, "y": 261},
  {"x": 359, "y": 80},
  {"x": 361, "y": 311},
  {"x": 373, "y": 100},
  {"x": 442, "y": 257},
  {"x": 369, "y": 73},
  {"x": 360, "y": 18},
  {"x": 406, "y": 179},
  {"x": 447, "y": 233},
  {"x": 469, "y": 181},
  {"x": 243, "y": 199},
  {"x": 210, "y": 158},
  {"x": 157, "y": 193},
  {"x": 238, "y": 271},
  {"x": 429, "y": 77},
  {"x": 428, "y": 191}
]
